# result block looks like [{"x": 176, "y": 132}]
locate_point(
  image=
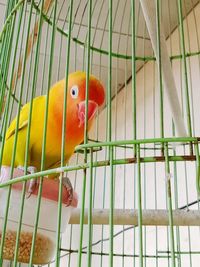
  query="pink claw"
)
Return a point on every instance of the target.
[
  {"x": 69, "y": 191},
  {"x": 74, "y": 202},
  {"x": 33, "y": 186}
]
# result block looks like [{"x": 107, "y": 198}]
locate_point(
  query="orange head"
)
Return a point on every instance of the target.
[{"x": 76, "y": 104}]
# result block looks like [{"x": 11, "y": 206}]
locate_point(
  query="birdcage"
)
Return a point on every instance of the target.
[{"x": 136, "y": 171}]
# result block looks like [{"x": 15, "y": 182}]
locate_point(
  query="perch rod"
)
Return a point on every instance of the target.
[
  {"x": 149, "y": 8},
  {"x": 130, "y": 217}
]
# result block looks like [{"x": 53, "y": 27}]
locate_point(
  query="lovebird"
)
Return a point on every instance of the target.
[{"x": 75, "y": 122}]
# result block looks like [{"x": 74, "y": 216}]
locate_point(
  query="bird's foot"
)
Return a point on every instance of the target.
[
  {"x": 34, "y": 183},
  {"x": 70, "y": 192}
]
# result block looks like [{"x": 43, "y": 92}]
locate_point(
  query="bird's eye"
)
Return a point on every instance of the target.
[{"x": 74, "y": 91}]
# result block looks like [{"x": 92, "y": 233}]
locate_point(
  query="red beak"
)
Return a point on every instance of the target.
[{"x": 92, "y": 108}]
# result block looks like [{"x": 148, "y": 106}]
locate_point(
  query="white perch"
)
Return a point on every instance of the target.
[
  {"x": 149, "y": 11},
  {"x": 130, "y": 217}
]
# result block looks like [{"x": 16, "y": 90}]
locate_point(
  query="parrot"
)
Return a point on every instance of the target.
[{"x": 75, "y": 123}]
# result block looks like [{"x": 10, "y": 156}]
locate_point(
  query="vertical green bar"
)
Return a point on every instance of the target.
[
  {"x": 139, "y": 199},
  {"x": 133, "y": 44},
  {"x": 35, "y": 74},
  {"x": 9, "y": 7},
  {"x": 85, "y": 128},
  {"x": 15, "y": 138},
  {"x": 88, "y": 59},
  {"x": 109, "y": 91},
  {"x": 63, "y": 145},
  {"x": 109, "y": 134},
  {"x": 183, "y": 52},
  {"x": 68, "y": 13},
  {"x": 111, "y": 214},
  {"x": 43, "y": 156},
  {"x": 169, "y": 203},
  {"x": 159, "y": 68},
  {"x": 197, "y": 169},
  {"x": 178, "y": 245},
  {"x": 8, "y": 100},
  {"x": 7, "y": 58},
  {"x": 89, "y": 247},
  {"x": 66, "y": 85}
]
